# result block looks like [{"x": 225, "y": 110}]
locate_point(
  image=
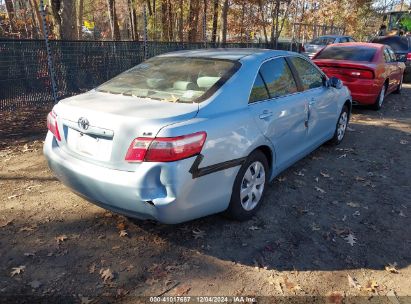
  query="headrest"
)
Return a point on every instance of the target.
[
  {"x": 207, "y": 81},
  {"x": 184, "y": 85}
]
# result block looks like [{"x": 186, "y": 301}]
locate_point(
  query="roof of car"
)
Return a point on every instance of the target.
[{"x": 221, "y": 53}]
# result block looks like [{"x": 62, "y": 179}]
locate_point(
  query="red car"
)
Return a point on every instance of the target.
[{"x": 371, "y": 71}]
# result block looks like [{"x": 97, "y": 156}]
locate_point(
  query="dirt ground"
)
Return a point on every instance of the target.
[{"x": 57, "y": 247}]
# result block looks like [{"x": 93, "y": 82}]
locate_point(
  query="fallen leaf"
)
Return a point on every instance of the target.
[
  {"x": 5, "y": 223},
  {"x": 129, "y": 267},
  {"x": 123, "y": 233},
  {"x": 320, "y": 190},
  {"x": 314, "y": 227},
  {"x": 352, "y": 282},
  {"x": 198, "y": 234},
  {"x": 324, "y": 174},
  {"x": 351, "y": 239},
  {"x": 290, "y": 285},
  {"x": 392, "y": 268},
  {"x": 371, "y": 286},
  {"x": 121, "y": 226},
  {"x": 17, "y": 270},
  {"x": 35, "y": 284},
  {"x": 27, "y": 228},
  {"x": 354, "y": 205},
  {"x": 359, "y": 179},
  {"x": 182, "y": 290},
  {"x": 61, "y": 238},
  {"x": 107, "y": 275},
  {"x": 253, "y": 228},
  {"x": 281, "y": 179},
  {"x": 299, "y": 173},
  {"x": 341, "y": 156},
  {"x": 92, "y": 268},
  {"x": 27, "y": 254},
  {"x": 121, "y": 292},
  {"x": 403, "y": 142}
]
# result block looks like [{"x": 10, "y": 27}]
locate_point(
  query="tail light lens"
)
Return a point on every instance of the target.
[
  {"x": 409, "y": 57},
  {"x": 52, "y": 125},
  {"x": 165, "y": 149},
  {"x": 363, "y": 74}
]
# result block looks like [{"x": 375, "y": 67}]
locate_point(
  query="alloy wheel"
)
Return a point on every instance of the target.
[
  {"x": 252, "y": 185},
  {"x": 342, "y": 125}
]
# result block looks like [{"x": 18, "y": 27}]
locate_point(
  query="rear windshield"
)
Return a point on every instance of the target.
[
  {"x": 347, "y": 53},
  {"x": 323, "y": 41},
  {"x": 395, "y": 42},
  {"x": 172, "y": 79}
]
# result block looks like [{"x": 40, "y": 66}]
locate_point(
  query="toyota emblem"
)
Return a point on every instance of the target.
[{"x": 83, "y": 123}]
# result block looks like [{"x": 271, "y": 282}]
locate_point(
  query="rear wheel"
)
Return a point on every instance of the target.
[
  {"x": 249, "y": 187},
  {"x": 380, "y": 99},
  {"x": 341, "y": 127}
]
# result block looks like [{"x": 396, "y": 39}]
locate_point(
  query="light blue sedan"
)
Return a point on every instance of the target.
[{"x": 192, "y": 133}]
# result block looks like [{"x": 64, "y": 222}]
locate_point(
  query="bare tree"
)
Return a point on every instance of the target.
[
  {"x": 11, "y": 14},
  {"x": 80, "y": 19},
  {"x": 224, "y": 15},
  {"x": 63, "y": 12},
  {"x": 115, "y": 30},
  {"x": 215, "y": 22},
  {"x": 181, "y": 21}
]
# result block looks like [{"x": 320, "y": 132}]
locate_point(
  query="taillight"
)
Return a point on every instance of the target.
[
  {"x": 364, "y": 74},
  {"x": 409, "y": 57},
  {"x": 165, "y": 149},
  {"x": 52, "y": 125}
]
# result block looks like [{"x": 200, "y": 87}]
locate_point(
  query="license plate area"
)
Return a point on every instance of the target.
[{"x": 96, "y": 147}]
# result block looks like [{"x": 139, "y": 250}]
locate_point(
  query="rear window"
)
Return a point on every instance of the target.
[
  {"x": 323, "y": 41},
  {"x": 347, "y": 53},
  {"x": 172, "y": 79},
  {"x": 395, "y": 42}
]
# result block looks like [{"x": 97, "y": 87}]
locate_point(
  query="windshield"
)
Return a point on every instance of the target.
[
  {"x": 323, "y": 41},
  {"x": 172, "y": 79},
  {"x": 347, "y": 53}
]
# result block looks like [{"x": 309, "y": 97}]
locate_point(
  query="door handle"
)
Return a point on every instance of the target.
[{"x": 266, "y": 114}]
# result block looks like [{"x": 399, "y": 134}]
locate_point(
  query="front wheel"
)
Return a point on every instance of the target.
[
  {"x": 249, "y": 187},
  {"x": 341, "y": 127}
]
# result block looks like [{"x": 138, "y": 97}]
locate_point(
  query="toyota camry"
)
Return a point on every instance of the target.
[{"x": 192, "y": 133}]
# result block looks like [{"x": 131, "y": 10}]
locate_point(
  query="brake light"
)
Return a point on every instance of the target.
[
  {"x": 165, "y": 149},
  {"x": 409, "y": 57},
  {"x": 364, "y": 74},
  {"x": 52, "y": 125}
]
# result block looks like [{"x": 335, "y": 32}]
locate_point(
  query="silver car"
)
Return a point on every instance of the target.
[
  {"x": 317, "y": 44},
  {"x": 192, "y": 133}
]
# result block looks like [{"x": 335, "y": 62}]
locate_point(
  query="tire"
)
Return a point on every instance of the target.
[
  {"x": 341, "y": 127},
  {"x": 399, "y": 87},
  {"x": 253, "y": 175},
  {"x": 380, "y": 99}
]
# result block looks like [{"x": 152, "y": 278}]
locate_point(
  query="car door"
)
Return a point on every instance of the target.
[
  {"x": 322, "y": 108},
  {"x": 279, "y": 110}
]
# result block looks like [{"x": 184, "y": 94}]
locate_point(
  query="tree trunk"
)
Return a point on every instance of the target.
[
  {"x": 11, "y": 14},
  {"x": 164, "y": 23},
  {"x": 150, "y": 11},
  {"x": 205, "y": 21},
  {"x": 170, "y": 21},
  {"x": 193, "y": 20},
  {"x": 181, "y": 21},
  {"x": 224, "y": 15},
  {"x": 55, "y": 8},
  {"x": 68, "y": 20},
  {"x": 35, "y": 21},
  {"x": 115, "y": 30},
  {"x": 133, "y": 20},
  {"x": 80, "y": 19},
  {"x": 260, "y": 7},
  {"x": 35, "y": 7},
  {"x": 215, "y": 22}
]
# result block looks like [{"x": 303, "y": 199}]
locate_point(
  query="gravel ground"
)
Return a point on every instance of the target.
[{"x": 334, "y": 226}]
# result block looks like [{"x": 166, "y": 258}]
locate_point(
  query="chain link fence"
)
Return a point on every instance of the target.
[{"x": 26, "y": 94}]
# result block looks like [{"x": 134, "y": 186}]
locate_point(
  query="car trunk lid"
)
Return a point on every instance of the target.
[
  {"x": 99, "y": 127},
  {"x": 347, "y": 71}
]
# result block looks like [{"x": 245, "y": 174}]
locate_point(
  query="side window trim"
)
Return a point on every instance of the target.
[
  {"x": 265, "y": 84},
  {"x": 294, "y": 72}
]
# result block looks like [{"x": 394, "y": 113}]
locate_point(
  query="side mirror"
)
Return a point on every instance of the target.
[{"x": 335, "y": 83}]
